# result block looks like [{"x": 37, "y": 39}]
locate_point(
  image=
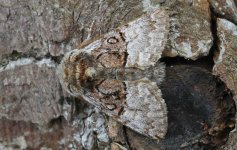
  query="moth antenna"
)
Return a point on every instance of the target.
[{"x": 59, "y": 73}]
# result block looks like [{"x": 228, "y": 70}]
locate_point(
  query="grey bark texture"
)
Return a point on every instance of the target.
[{"x": 36, "y": 113}]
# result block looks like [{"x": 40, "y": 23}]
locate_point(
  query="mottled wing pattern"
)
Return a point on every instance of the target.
[
  {"x": 145, "y": 109},
  {"x": 146, "y": 38},
  {"x": 137, "y": 104}
]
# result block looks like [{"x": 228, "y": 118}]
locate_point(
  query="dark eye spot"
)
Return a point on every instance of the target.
[{"x": 112, "y": 40}]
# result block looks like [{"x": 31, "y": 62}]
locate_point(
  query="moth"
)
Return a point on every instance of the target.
[{"x": 120, "y": 72}]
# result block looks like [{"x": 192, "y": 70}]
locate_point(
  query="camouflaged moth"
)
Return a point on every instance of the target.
[{"x": 119, "y": 72}]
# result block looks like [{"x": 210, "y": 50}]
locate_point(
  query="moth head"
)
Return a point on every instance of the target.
[
  {"x": 76, "y": 72},
  {"x": 90, "y": 72}
]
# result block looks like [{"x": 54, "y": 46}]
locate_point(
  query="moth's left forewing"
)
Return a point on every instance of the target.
[
  {"x": 136, "y": 104},
  {"x": 144, "y": 109},
  {"x": 110, "y": 95}
]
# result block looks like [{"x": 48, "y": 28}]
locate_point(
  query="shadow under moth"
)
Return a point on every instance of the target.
[{"x": 120, "y": 72}]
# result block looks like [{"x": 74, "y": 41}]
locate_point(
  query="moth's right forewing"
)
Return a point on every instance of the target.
[{"x": 146, "y": 38}]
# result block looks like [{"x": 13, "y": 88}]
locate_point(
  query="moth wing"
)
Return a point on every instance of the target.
[
  {"x": 146, "y": 38},
  {"x": 145, "y": 109},
  {"x": 140, "y": 108},
  {"x": 143, "y": 39}
]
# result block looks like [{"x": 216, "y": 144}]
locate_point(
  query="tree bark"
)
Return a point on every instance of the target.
[{"x": 200, "y": 87}]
